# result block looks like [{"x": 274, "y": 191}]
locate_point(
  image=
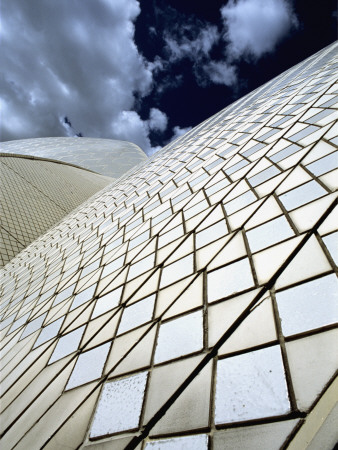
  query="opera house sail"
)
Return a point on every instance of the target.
[
  {"x": 191, "y": 303},
  {"x": 42, "y": 180}
]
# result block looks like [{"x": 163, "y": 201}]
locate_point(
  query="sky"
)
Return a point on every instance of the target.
[{"x": 147, "y": 71}]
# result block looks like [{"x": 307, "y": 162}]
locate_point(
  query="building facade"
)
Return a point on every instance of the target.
[
  {"x": 42, "y": 180},
  {"x": 193, "y": 303},
  {"x": 36, "y": 193},
  {"x": 109, "y": 157}
]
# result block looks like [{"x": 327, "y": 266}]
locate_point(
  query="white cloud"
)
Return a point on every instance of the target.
[
  {"x": 254, "y": 27},
  {"x": 251, "y": 28},
  {"x": 180, "y": 45},
  {"x": 128, "y": 126},
  {"x": 157, "y": 65},
  {"x": 77, "y": 60},
  {"x": 221, "y": 73},
  {"x": 178, "y": 131},
  {"x": 187, "y": 41},
  {"x": 152, "y": 31},
  {"x": 158, "y": 120}
]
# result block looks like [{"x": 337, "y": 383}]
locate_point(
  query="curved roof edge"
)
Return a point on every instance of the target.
[
  {"x": 68, "y": 138},
  {"x": 107, "y": 157},
  {"x": 56, "y": 161}
]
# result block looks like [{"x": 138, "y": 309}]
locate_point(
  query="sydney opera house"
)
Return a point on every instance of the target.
[{"x": 183, "y": 301}]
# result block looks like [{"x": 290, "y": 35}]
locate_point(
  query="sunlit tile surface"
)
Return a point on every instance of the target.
[
  {"x": 88, "y": 366},
  {"x": 137, "y": 314},
  {"x": 302, "y": 195},
  {"x": 49, "y": 332},
  {"x": 269, "y": 233},
  {"x": 177, "y": 270},
  {"x": 233, "y": 278},
  {"x": 119, "y": 406},
  {"x": 197, "y": 292},
  {"x": 250, "y": 386},
  {"x": 34, "y": 325},
  {"x": 331, "y": 242},
  {"x": 37, "y": 193},
  {"x": 179, "y": 337},
  {"x": 310, "y": 305},
  {"x": 199, "y": 442},
  {"x": 107, "y": 302},
  {"x": 67, "y": 344}
]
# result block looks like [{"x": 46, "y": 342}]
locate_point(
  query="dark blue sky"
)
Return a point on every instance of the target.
[
  {"x": 145, "y": 71},
  {"x": 188, "y": 103}
]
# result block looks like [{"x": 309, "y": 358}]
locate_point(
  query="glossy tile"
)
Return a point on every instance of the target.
[{"x": 119, "y": 406}]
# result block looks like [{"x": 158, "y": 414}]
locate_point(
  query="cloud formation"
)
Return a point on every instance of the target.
[
  {"x": 254, "y": 27},
  {"x": 128, "y": 126},
  {"x": 249, "y": 29},
  {"x": 194, "y": 42},
  {"x": 77, "y": 60},
  {"x": 189, "y": 41},
  {"x": 221, "y": 72},
  {"x": 158, "y": 120},
  {"x": 178, "y": 131}
]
